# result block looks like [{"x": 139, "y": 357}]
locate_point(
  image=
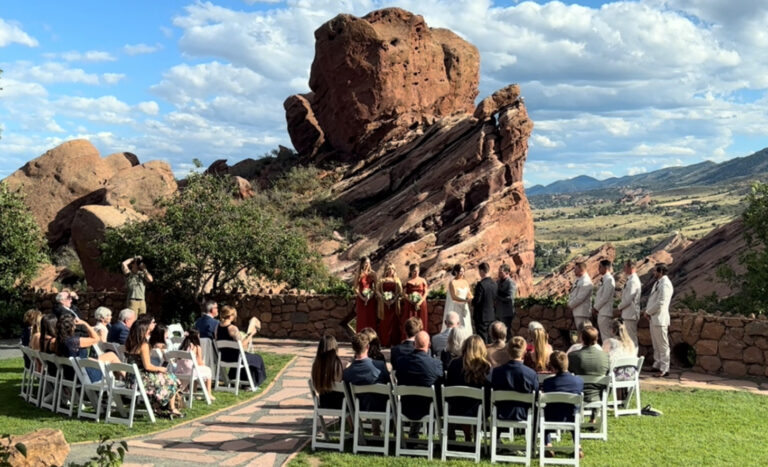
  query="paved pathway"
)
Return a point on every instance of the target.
[{"x": 267, "y": 431}]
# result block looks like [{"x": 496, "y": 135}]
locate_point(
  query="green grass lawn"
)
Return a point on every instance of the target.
[
  {"x": 18, "y": 417},
  {"x": 699, "y": 427}
]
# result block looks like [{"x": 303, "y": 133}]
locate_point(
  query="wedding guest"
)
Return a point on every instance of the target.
[
  {"x": 471, "y": 369},
  {"x": 390, "y": 290},
  {"x": 364, "y": 370},
  {"x": 412, "y": 327},
  {"x": 580, "y": 343},
  {"x": 118, "y": 333},
  {"x": 456, "y": 339},
  {"x": 440, "y": 340},
  {"x": 228, "y": 331},
  {"x": 191, "y": 344},
  {"x": 514, "y": 376},
  {"x": 207, "y": 323},
  {"x": 418, "y": 368},
  {"x": 161, "y": 387},
  {"x": 327, "y": 369},
  {"x": 498, "y": 354},
  {"x": 32, "y": 319},
  {"x": 630, "y": 300},
  {"x": 48, "y": 338},
  {"x": 581, "y": 293},
  {"x": 136, "y": 278},
  {"x": 65, "y": 304},
  {"x": 657, "y": 309},
  {"x": 537, "y": 356},
  {"x": 603, "y": 306},
  {"x": 620, "y": 346},
  {"x": 457, "y": 299},
  {"x": 483, "y": 310},
  {"x": 374, "y": 345},
  {"x": 365, "y": 286},
  {"x": 590, "y": 361},
  {"x": 157, "y": 344},
  {"x": 416, "y": 291},
  {"x": 563, "y": 381},
  {"x": 103, "y": 317},
  {"x": 68, "y": 344},
  {"x": 505, "y": 297}
]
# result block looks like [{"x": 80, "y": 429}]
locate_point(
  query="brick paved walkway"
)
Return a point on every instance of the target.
[{"x": 266, "y": 431}]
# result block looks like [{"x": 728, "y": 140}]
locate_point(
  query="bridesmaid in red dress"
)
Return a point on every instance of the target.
[
  {"x": 389, "y": 292},
  {"x": 365, "y": 287},
  {"x": 415, "y": 306}
]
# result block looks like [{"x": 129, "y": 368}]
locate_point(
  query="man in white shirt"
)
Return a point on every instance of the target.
[
  {"x": 658, "y": 310},
  {"x": 603, "y": 306},
  {"x": 579, "y": 301},
  {"x": 630, "y": 300}
]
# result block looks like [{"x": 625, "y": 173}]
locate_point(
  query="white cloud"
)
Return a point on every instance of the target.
[
  {"x": 141, "y": 49},
  {"x": 112, "y": 78},
  {"x": 11, "y": 33},
  {"x": 149, "y": 107},
  {"x": 51, "y": 72},
  {"x": 89, "y": 56},
  {"x": 105, "y": 109},
  {"x": 636, "y": 170}
]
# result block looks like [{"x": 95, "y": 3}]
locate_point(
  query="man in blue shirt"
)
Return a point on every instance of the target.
[
  {"x": 514, "y": 376},
  {"x": 363, "y": 371},
  {"x": 207, "y": 323},
  {"x": 118, "y": 333},
  {"x": 563, "y": 381}
]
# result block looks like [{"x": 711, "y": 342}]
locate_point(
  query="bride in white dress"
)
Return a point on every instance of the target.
[{"x": 457, "y": 299}]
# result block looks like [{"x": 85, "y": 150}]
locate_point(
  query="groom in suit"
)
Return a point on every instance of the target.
[
  {"x": 483, "y": 312},
  {"x": 505, "y": 298}
]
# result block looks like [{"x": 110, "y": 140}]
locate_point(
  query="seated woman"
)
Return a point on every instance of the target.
[
  {"x": 191, "y": 344},
  {"x": 374, "y": 347},
  {"x": 472, "y": 369},
  {"x": 47, "y": 340},
  {"x": 161, "y": 386},
  {"x": 30, "y": 335},
  {"x": 326, "y": 370},
  {"x": 620, "y": 346},
  {"x": 456, "y": 338},
  {"x": 498, "y": 354},
  {"x": 68, "y": 344},
  {"x": 537, "y": 356},
  {"x": 157, "y": 344},
  {"x": 227, "y": 331},
  {"x": 103, "y": 316}
]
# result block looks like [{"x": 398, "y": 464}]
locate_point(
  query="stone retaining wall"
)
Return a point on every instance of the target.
[{"x": 731, "y": 345}]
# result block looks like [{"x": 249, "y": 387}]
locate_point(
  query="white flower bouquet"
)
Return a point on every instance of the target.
[
  {"x": 414, "y": 298},
  {"x": 388, "y": 296},
  {"x": 367, "y": 293}
]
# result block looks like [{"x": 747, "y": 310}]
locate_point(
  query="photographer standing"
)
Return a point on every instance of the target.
[{"x": 136, "y": 278}]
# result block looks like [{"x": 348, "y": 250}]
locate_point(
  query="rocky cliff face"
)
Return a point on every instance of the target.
[{"x": 433, "y": 179}]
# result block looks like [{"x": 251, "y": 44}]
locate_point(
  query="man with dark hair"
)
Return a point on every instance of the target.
[
  {"x": 581, "y": 292},
  {"x": 658, "y": 311},
  {"x": 412, "y": 327},
  {"x": 514, "y": 376},
  {"x": 483, "y": 312},
  {"x": 364, "y": 370},
  {"x": 136, "y": 278},
  {"x": 603, "y": 306},
  {"x": 590, "y": 361},
  {"x": 630, "y": 300},
  {"x": 207, "y": 323},
  {"x": 498, "y": 353},
  {"x": 418, "y": 368},
  {"x": 563, "y": 381},
  {"x": 505, "y": 297}
]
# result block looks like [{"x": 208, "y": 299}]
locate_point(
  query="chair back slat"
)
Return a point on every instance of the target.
[
  {"x": 560, "y": 398},
  {"x": 596, "y": 380},
  {"x": 414, "y": 391},
  {"x": 512, "y": 396},
  {"x": 463, "y": 391}
]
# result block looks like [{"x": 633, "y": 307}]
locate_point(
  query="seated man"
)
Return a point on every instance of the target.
[
  {"x": 514, "y": 376},
  {"x": 440, "y": 340},
  {"x": 118, "y": 333},
  {"x": 563, "y": 381},
  {"x": 207, "y": 323},
  {"x": 498, "y": 352},
  {"x": 591, "y": 360},
  {"x": 418, "y": 368},
  {"x": 412, "y": 327},
  {"x": 364, "y": 370}
]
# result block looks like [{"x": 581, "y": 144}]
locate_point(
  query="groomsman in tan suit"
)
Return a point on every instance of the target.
[
  {"x": 630, "y": 300},
  {"x": 580, "y": 301},
  {"x": 603, "y": 306},
  {"x": 658, "y": 310}
]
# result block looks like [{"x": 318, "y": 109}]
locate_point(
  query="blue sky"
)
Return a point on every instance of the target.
[{"x": 613, "y": 87}]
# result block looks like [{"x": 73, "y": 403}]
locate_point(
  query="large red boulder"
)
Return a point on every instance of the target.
[{"x": 141, "y": 186}]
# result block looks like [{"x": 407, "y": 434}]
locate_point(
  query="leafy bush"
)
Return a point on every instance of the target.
[
  {"x": 337, "y": 288},
  {"x": 437, "y": 294},
  {"x": 547, "y": 302},
  {"x": 107, "y": 454},
  {"x": 12, "y": 316}
]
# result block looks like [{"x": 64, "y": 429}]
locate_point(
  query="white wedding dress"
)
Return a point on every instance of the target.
[{"x": 462, "y": 309}]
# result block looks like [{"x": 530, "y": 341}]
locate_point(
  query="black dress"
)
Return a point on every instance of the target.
[
  {"x": 462, "y": 406},
  {"x": 255, "y": 362}
]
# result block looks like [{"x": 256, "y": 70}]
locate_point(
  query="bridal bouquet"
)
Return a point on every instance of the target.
[
  {"x": 388, "y": 296},
  {"x": 367, "y": 293},
  {"x": 414, "y": 298}
]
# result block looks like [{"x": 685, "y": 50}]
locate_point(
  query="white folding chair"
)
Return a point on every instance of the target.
[
  {"x": 35, "y": 376},
  {"x": 91, "y": 392},
  {"x": 574, "y": 427},
  {"x": 477, "y": 421},
  {"x": 429, "y": 419},
  {"x": 190, "y": 379},
  {"x": 49, "y": 384},
  {"x": 544, "y": 376},
  {"x": 318, "y": 419},
  {"x": 241, "y": 365},
  {"x": 157, "y": 357},
  {"x": 68, "y": 381},
  {"x": 527, "y": 426},
  {"x": 632, "y": 386},
  {"x": 175, "y": 330},
  {"x": 117, "y": 391},
  {"x": 26, "y": 372},
  {"x": 384, "y": 418},
  {"x": 209, "y": 352},
  {"x": 596, "y": 409},
  {"x": 117, "y": 349}
]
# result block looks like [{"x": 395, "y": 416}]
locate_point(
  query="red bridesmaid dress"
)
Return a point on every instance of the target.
[
  {"x": 409, "y": 310},
  {"x": 366, "y": 313},
  {"x": 389, "y": 329}
]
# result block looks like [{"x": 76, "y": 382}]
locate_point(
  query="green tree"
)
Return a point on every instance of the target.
[
  {"x": 22, "y": 247},
  {"x": 208, "y": 240},
  {"x": 755, "y": 259}
]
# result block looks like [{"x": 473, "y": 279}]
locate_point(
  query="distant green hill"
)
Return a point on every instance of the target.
[{"x": 701, "y": 174}]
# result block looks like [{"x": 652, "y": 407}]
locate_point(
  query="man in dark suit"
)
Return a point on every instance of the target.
[
  {"x": 591, "y": 360},
  {"x": 505, "y": 297},
  {"x": 118, "y": 333},
  {"x": 418, "y": 368},
  {"x": 514, "y": 376},
  {"x": 207, "y": 323},
  {"x": 563, "y": 381},
  {"x": 413, "y": 326},
  {"x": 483, "y": 313},
  {"x": 363, "y": 370}
]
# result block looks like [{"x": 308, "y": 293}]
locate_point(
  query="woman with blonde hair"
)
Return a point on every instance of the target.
[
  {"x": 471, "y": 369},
  {"x": 327, "y": 369},
  {"x": 620, "y": 346},
  {"x": 228, "y": 331},
  {"x": 389, "y": 290},
  {"x": 537, "y": 357},
  {"x": 365, "y": 287}
]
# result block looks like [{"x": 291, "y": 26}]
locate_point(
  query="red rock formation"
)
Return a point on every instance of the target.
[
  {"x": 559, "y": 283},
  {"x": 140, "y": 187}
]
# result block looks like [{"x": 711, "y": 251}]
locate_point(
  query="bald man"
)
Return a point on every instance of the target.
[{"x": 418, "y": 369}]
